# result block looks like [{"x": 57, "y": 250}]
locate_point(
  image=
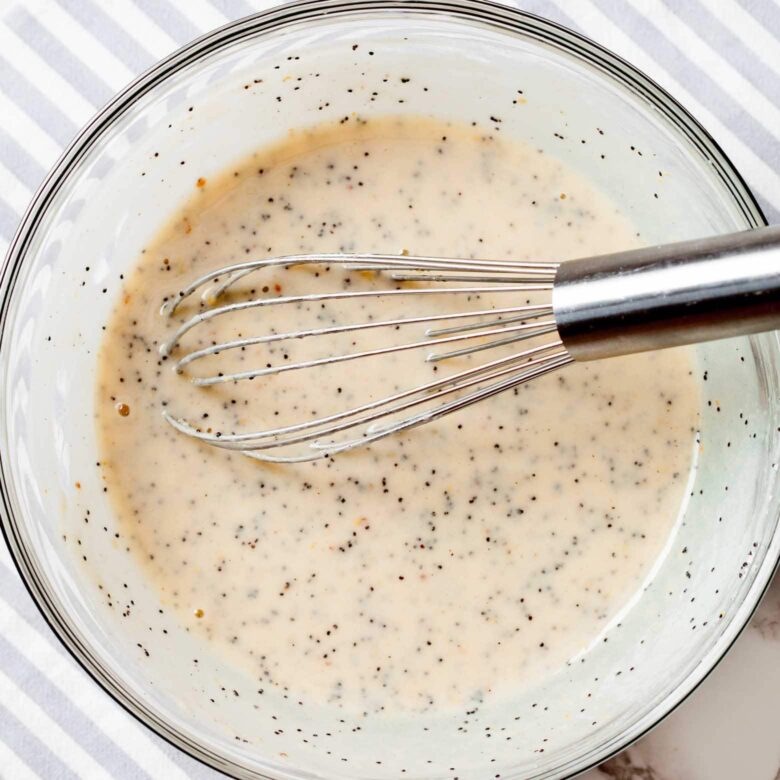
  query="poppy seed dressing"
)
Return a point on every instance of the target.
[{"x": 438, "y": 567}]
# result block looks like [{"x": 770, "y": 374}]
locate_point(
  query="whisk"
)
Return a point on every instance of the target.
[{"x": 592, "y": 308}]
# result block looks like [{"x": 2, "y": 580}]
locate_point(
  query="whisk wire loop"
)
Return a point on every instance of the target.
[{"x": 369, "y": 422}]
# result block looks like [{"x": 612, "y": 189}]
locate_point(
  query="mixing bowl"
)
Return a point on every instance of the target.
[{"x": 213, "y": 102}]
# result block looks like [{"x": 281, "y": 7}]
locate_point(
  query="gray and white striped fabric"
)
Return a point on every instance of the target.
[{"x": 60, "y": 60}]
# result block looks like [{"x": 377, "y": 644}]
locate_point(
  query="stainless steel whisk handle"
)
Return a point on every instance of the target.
[{"x": 670, "y": 295}]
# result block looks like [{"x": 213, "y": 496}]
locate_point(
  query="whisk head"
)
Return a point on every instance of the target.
[{"x": 523, "y": 332}]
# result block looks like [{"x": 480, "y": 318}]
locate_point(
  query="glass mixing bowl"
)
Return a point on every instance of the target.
[{"x": 215, "y": 101}]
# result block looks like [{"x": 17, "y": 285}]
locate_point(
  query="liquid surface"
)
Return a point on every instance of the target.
[{"x": 439, "y": 567}]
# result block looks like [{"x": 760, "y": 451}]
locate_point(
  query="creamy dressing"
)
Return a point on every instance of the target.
[{"x": 456, "y": 561}]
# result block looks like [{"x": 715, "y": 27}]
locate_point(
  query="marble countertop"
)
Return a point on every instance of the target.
[{"x": 728, "y": 729}]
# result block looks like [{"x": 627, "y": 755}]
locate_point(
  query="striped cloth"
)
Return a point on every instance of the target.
[{"x": 62, "y": 59}]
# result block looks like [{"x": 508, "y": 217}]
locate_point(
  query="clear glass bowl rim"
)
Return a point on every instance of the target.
[{"x": 483, "y": 12}]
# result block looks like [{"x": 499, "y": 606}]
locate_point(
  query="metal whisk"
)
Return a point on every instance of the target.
[{"x": 593, "y": 308}]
